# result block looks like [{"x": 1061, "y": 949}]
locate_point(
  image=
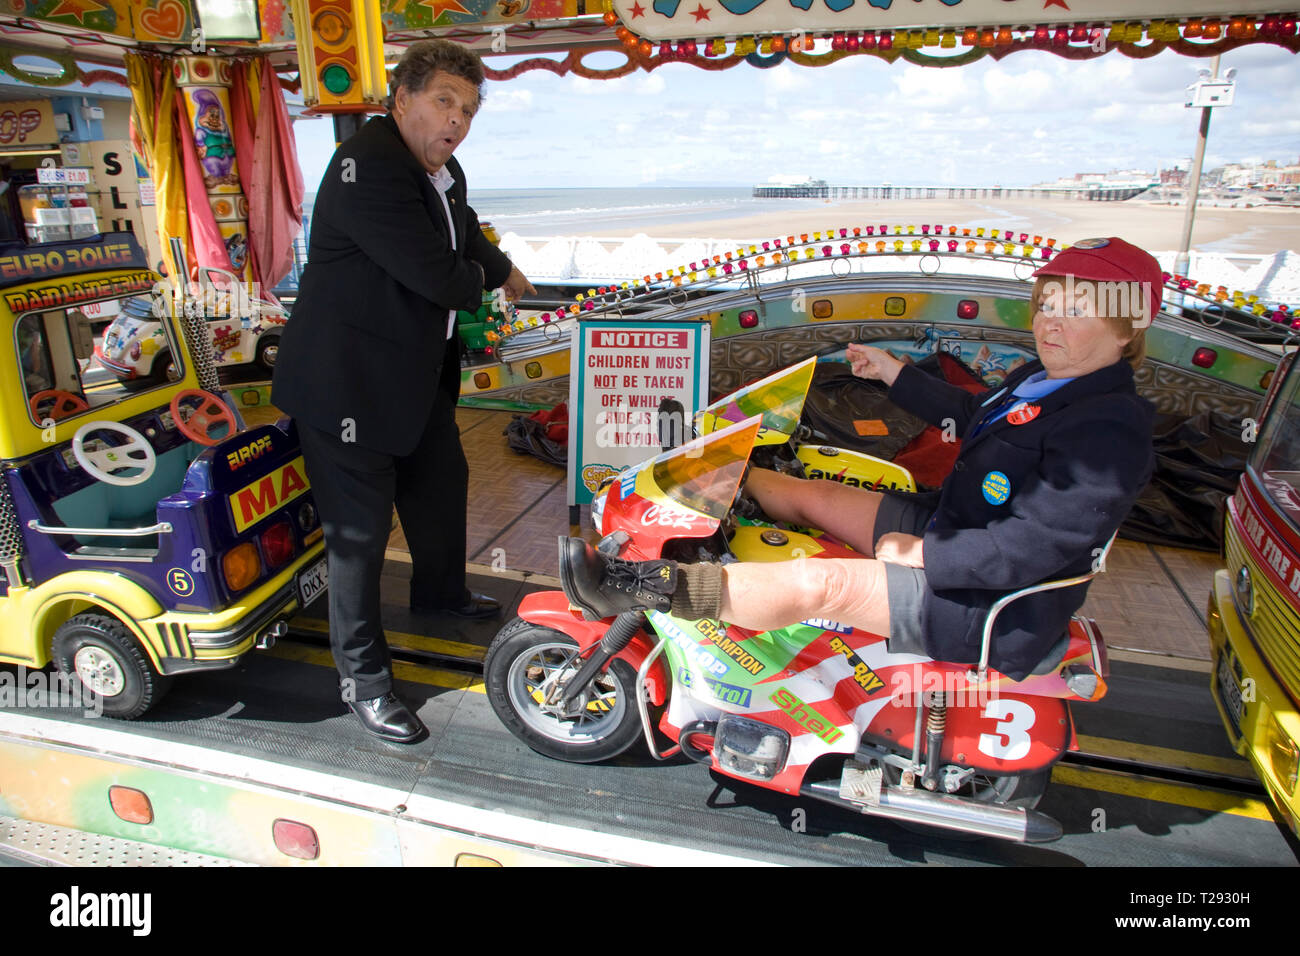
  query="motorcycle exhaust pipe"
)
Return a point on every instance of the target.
[{"x": 948, "y": 813}]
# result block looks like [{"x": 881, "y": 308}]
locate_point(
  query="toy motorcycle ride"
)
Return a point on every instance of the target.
[{"x": 906, "y": 737}]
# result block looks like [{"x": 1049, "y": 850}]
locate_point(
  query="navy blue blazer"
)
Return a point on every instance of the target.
[
  {"x": 368, "y": 334},
  {"x": 1025, "y": 503}
]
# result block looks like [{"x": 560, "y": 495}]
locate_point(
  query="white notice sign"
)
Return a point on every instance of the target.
[{"x": 620, "y": 372}]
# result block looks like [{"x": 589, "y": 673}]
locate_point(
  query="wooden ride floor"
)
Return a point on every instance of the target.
[{"x": 1151, "y": 599}]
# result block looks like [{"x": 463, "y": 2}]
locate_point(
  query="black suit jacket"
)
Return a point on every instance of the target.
[
  {"x": 367, "y": 337},
  {"x": 1074, "y": 472}
]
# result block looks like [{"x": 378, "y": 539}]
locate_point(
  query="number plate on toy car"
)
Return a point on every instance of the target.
[
  {"x": 312, "y": 582},
  {"x": 1229, "y": 693}
]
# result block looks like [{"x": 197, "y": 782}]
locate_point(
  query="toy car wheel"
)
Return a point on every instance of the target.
[
  {"x": 267, "y": 350},
  {"x": 525, "y": 670},
  {"x": 162, "y": 370},
  {"x": 105, "y": 657}
]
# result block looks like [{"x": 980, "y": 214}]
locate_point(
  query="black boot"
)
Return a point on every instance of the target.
[{"x": 604, "y": 587}]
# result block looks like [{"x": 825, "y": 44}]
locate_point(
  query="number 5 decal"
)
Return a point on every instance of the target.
[{"x": 1014, "y": 718}]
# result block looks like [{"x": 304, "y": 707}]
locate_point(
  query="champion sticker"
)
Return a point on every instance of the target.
[
  {"x": 996, "y": 488},
  {"x": 1092, "y": 244},
  {"x": 1023, "y": 413}
]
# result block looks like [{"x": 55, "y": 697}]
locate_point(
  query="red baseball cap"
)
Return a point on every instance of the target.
[{"x": 1110, "y": 260}]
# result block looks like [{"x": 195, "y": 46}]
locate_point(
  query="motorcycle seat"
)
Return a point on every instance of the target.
[{"x": 1055, "y": 654}]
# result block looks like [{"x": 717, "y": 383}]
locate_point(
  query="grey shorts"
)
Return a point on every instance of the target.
[{"x": 905, "y": 586}]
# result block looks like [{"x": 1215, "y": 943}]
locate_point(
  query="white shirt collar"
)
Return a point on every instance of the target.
[{"x": 442, "y": 180}]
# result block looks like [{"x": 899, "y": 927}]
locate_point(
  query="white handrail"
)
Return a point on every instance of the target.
[{"x": 986, "y": 642}]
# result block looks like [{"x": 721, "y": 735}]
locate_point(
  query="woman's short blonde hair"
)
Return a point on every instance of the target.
[{"x": 1122, "y": 305}]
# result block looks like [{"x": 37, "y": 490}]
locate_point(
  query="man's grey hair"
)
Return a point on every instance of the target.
[{"x": 427, "y": 57}]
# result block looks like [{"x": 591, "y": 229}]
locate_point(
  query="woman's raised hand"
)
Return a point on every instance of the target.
[{"x": 870, "y": 362}]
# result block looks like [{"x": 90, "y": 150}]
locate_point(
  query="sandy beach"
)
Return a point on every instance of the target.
[{"x": 1158, "y": 227}]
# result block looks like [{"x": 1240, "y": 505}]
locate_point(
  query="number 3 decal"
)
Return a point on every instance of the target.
[{"x": 1014, "y": 718}]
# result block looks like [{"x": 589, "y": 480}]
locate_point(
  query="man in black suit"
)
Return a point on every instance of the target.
[{"x": 369, "y": 364}]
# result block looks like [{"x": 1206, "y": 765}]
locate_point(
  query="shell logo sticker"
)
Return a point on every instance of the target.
[
  {"x": 593, "y": 475},
  {"x": 255, "y": 501}
]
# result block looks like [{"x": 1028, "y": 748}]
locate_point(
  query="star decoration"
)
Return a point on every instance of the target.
[
  {"x": 637, "y": 10},
  {"x": 75, "y": 8},
  {"x": 699, "y": 13},
  {"x": 439, "y": 7}
]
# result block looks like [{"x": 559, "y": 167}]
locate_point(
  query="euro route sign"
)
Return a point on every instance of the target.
[{"x": 620, "y": 372}]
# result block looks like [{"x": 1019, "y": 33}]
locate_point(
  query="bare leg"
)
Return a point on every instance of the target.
[
  {"x": 762, "y": 596},
  {"x": 846, "y": 512}
]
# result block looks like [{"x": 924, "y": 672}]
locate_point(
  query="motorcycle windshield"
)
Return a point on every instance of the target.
[
  {"x": 778, "y": 399},
  {"x": 705, "y": 474}
]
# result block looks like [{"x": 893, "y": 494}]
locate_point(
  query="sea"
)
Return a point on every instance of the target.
[{"x": 593, "y": 210}]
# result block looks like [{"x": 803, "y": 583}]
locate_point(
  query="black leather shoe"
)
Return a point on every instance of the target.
[
  {"x": 389, "y": 718},
  {"x": 477, "y": 607},
  {"x": 604, "y": 587}
]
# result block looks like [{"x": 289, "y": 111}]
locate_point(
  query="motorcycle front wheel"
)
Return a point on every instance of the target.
[{"x": 525, "y": 672}]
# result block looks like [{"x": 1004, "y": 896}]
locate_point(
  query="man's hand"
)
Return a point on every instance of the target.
[
  {"x": 870, "y": 362},
  {"x": 517, "y": 285},
  {"x": 899, "y": 548}
]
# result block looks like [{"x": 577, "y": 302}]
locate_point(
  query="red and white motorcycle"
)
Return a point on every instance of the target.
[{"x": 817, "y": 709}]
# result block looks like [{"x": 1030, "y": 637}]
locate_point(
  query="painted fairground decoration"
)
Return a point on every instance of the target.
[
  {"x": 673, "y": 19},
  {"x": 205, "y": 81},
  {"x": 172, "y": 21},
  {"x": 399, "y": 15}
]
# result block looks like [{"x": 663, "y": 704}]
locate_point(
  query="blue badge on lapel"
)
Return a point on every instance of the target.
[{"x": 996, "y": 488}]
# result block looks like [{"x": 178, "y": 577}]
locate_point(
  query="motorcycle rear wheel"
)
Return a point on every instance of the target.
[{"x": 527, "y": 664}]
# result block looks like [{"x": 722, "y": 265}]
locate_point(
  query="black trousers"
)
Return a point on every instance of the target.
[{"x": 355, "y": 489}]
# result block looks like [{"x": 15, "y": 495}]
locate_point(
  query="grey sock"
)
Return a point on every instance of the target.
[{"x": 699, "y": 592}]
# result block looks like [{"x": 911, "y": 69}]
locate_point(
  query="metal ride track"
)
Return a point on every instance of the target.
[
  {"x": 1142, "y": 763},
  {"x": 274, "y": 725}
]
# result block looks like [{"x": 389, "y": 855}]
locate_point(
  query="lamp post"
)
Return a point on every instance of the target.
[{"x": 1207, "y": 92}]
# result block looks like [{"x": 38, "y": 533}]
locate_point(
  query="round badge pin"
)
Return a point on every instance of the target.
[
  {"x": 1023, "y": 413},
  {"x": 1091, "y": 244},
  {"x": 996, "y": 488}
]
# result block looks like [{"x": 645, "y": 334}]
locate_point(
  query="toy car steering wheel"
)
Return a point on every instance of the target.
[
  {"x": 211, "y": 411},
  {"x": 65, "y": 404},
  {"x": 104, "y": 465}
]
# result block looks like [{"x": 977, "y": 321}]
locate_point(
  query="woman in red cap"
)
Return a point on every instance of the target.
[{"x": 1050, "y": 464}]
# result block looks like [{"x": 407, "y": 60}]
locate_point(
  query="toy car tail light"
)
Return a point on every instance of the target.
[
  {"x": 1204, "y": 357},
  {"x": 241, "y": 566},
  {"x": 277, "y": 544},
  {"x": 130, "y": 804},
  {"x": 307, "y": 516},
  {"x": 968, "y": 309},
  {"x": 1283, "y": 755},
  {"x": 295, "y": 839},
  {"x": 135, "y": 352},
  {"x": 748, "y": 319}
]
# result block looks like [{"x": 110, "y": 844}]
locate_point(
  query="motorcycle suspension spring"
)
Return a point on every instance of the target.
[{"x": 936, "y": 723}]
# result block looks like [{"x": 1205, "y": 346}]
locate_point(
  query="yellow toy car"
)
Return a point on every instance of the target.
[{"x": 144, "y": 533}]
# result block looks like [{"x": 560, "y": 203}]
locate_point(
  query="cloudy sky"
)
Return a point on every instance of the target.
[{"x": 1031, "y": 118}]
